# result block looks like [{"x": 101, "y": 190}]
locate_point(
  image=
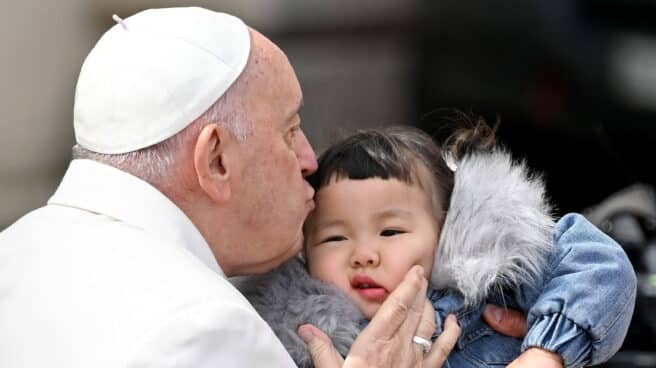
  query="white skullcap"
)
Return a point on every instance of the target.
[{"x": 153, "y": 74}]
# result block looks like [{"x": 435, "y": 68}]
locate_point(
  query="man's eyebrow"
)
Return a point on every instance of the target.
[{"x": 297, "y": 108}]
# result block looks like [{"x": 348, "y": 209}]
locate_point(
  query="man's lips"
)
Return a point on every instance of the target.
[
  {"x": 310, "y": 197},
  {"x": 367, "y": 288}
]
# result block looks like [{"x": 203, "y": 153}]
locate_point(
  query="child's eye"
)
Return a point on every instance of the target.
[
  {"x": 335, "y": 238},
  {"x": 391, "y": 232}
]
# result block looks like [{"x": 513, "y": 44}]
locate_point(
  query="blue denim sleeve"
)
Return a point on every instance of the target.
[{"x": 584, "y": 307}]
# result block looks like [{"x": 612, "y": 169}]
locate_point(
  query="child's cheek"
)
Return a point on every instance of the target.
[{"x": 322, "y": 268}]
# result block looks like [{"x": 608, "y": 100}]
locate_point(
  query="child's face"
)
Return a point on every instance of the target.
[{"x": 364, "y": 235}]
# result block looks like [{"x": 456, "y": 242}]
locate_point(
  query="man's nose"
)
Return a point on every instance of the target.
[{"x": 306, "y": 157}]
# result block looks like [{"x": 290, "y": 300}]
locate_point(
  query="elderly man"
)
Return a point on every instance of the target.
[{"x": 189, "y": 167}]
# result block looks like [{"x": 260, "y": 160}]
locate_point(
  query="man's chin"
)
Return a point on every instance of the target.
[
  {"x": 293, "y": 250},
  {"x": 267, "y": 265},
  {"x": 295, "y": 246}
]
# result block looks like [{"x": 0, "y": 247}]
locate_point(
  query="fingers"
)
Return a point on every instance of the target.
[
  {"x": 426, "y": 326},
  {"x": 420, "y": 316},
  {"x": 505, "y": 321},
  {"x": 388, "y": 339},
  {"x": 444, "y": 344},
  {"x": 321, "y": 348},
  {"x": 537, "y": 357},
  {"x": 402, "y": 308}
]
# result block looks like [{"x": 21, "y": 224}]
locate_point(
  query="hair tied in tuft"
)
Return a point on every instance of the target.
[{"x": 450, "y": 161}]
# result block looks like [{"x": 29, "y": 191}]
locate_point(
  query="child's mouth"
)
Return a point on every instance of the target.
[{"x": 367, "y": 288}]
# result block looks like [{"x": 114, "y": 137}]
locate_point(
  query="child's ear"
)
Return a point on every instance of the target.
[{"x": 211, "y": 161}]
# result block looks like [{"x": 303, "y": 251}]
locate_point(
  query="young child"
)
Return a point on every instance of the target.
[{"x": 478, "y": 222}]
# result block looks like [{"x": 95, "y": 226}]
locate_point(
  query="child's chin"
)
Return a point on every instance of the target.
[{"x": 369, "y": 310}]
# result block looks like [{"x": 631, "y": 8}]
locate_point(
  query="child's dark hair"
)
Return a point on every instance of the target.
[{"x": 402, "y": 153}]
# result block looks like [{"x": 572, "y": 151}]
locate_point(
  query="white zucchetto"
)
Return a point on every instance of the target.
[{"x": 154, "y": 73}]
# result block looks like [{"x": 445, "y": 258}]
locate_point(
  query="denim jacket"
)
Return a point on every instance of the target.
[{"x": 581, "y": 309}]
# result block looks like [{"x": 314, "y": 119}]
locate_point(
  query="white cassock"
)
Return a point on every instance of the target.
[{"x": 110, "y": 273}]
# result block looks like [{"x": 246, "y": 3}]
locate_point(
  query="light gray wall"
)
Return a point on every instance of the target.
[
  {"x": 43, "y": 45},
  {"x": 351, "y": 76}
]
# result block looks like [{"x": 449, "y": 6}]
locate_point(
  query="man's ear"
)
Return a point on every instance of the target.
[{"x": 210, "y": 158}]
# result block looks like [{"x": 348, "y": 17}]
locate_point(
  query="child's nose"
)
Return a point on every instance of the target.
[{"x": 364, "y": 258}]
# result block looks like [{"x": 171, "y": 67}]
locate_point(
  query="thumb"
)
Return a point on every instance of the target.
[
  {"x": 505, "y": 321},
  {"x": 321, "y": 349}
]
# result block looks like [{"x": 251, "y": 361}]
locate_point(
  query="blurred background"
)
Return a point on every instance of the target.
[{"x": 573, "y": 83}]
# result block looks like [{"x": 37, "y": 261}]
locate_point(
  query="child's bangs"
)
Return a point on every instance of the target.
[{"x": 365, "y": 155}]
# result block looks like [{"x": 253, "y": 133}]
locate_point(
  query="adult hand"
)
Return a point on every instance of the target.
[
  {"x": 322, "y": 351},
  {"x": 537, "y": 358},
  {"x": 505, "y": 321},
  {"x": 513, "y": 323},
  {"x": 387, "y": 340}
]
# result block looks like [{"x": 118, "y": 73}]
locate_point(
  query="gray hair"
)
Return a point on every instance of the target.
[{"x": 157, "y": 163}]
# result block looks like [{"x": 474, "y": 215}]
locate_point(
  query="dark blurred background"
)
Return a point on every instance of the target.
[{"x": 573, "y": 83}]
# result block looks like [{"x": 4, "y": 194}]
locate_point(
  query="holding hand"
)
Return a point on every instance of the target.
[
  {"x": 513, "y": 323},
  {"x": 388, "y": 339},
  {"x": 537, "y": 358}
]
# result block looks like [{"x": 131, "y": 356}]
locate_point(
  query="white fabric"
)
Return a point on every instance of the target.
[
  {"x": 155, "y": 72},
  {"x": 112, "y": 274}
]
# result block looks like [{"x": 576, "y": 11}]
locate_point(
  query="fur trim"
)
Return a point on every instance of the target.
[
  {"x": 498, "y": 230},
  {"x": 288, "y": 297}
]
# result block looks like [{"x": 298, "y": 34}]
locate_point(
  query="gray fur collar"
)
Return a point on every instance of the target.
[
  {"x": 497, "y": 233},
  {"x": 288, "y": 297},
  {"x": 498, "y": 229}
]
